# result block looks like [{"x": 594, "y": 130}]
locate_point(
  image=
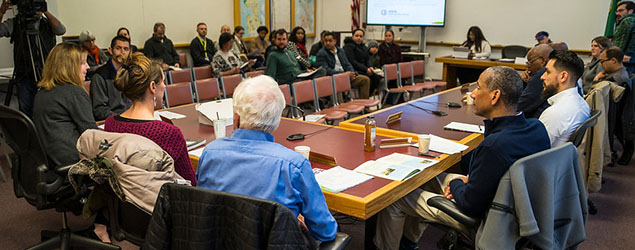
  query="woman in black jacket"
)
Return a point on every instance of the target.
[{"x": 357, "y": 55}]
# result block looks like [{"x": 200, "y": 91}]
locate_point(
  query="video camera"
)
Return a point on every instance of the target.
[{"x": 27, "y": 9}]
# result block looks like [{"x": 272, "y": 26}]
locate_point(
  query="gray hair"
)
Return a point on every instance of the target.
[
  {"x": 508, "y": 81},
  {"x": 86, "y": 36},
  {"x": 259, "y": 103}
]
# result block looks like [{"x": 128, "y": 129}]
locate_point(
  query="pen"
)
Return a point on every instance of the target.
[
  {"x": 479, "y": 128},
  {"x": 430, "y": 155}
]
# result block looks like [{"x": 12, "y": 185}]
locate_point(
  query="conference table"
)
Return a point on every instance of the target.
[
  {"x": 346, "y": 146},
  {"x": 450, "y": 66},
  {"x": 415, "y": 121}
]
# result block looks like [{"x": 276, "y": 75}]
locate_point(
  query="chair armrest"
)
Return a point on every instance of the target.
[
  {"x": 449, "y": 207},
  {"x": 63, "y": 170},
  {"x": 340, "y": 242}
]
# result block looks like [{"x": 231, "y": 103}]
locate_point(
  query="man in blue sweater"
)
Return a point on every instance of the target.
[{"x": 508, "y": 137}]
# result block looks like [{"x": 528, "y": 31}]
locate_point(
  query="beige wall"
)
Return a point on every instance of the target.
[{"x": 503, "y": 22}]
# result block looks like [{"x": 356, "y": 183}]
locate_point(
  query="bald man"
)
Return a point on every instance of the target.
[
  {"x": 531, "y": 101},
  {"x": 225, "y": 29}
]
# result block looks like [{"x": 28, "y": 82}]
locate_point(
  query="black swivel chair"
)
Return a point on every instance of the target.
[
  {"x": 566, "y": 159},
  {"x": 577, "y": 135},
  {"x": 39, "y": 185},
  {"x": 127, "y": 221},
  {"x": 195, "y": 218},
  {"x": 513, "y": 51}
]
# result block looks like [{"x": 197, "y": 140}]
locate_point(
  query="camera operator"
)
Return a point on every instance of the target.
[{"x": 47, "y": 26}]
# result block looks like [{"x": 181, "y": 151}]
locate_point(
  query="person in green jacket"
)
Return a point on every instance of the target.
[
  {"x": 281, "y": 63},
  {"x": 625, "y": 19}
]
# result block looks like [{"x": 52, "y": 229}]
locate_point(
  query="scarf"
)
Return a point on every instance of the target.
[
  {"x": 302, "y": 48},
  {"x": 94, "y": 52}
]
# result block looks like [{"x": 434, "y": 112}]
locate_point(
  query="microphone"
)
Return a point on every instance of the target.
[{"x": 299, "y": 109}]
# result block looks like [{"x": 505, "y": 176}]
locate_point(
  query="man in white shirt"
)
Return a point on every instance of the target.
[{"x": 568, "y": 110}]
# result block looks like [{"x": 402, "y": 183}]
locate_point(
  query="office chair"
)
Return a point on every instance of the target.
[
  {"x": 127, "y": 221},
  {"x": 578, "y": 133},
  {"x": 513, "y": 51},
  {"x": 39, "y": 185},
  {"x": 553, "y": 227},
  {"x": 219, "y": 220}
]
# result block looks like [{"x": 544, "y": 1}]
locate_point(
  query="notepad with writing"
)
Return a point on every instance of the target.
[
  {"x": 338, "y": 179},
  {"x": 465, "y": 127}
]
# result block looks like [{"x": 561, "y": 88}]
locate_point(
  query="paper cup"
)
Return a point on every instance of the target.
[
  {"x": 469, "y": 99},
  {"x": 219, "y": 128},
  {"x": 304, "y": 150},
  {"x": 424, "y": 143}
]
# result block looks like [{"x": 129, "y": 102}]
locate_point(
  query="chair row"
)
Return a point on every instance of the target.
[
  {"x": 406, "y": 76},
  {"x": 198, "y": 85},
  {"x": 336, "y": 87}
]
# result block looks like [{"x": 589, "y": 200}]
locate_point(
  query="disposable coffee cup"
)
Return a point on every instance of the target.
[
  {"x": 468, "y": 98},
  {"x": 304, "y": 150},
  {"x": 424, "y": 143},
  {"x": 219, "y": 128}
]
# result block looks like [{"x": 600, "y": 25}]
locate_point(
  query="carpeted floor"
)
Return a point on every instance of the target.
[{"x": 612, "y": 228}]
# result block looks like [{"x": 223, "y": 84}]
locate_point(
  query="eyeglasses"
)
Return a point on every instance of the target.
[
  {"x": 532, "y": 60},
  {"x": 604, "y": 60}
]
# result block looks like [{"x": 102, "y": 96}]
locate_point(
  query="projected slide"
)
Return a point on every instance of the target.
[{"x": 406, "y": 12}]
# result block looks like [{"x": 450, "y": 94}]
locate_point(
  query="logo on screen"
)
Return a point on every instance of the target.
[{"x": 383, "y": 12}]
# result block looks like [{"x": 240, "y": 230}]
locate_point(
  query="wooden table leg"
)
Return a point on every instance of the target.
[{"x": 449, "y": 75}]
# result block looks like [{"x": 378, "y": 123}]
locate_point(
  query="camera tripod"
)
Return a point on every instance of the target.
[{"x": 31, "y": 50}]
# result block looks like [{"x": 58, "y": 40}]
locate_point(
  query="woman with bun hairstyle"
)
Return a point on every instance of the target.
[{"x": 142, "y": 81}]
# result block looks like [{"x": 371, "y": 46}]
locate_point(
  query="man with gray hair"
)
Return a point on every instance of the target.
[
  {"x": 495, "y": 99},
  {"x": 251, "y": 163}
]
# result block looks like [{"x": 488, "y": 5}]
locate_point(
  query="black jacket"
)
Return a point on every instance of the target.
[
  {"x": 154, "y": 48},
  {"x": 531, "y": 102},
  {"x": 357, "y": 55},
  {"x": 326, "y": 60},
  {"x": 315, "y": 48},
  {"x": 198, "y": 52},
  {"x": 106, "y": 99},
  {"x": 194, "y": 218}
]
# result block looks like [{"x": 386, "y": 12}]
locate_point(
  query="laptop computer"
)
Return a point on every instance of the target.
[{"x": 460, "y": 52}]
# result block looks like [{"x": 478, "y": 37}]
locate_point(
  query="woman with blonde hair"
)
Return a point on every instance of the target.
[
  {"x": 62, "y": 109},
  {"x": 142, "y": 81}
]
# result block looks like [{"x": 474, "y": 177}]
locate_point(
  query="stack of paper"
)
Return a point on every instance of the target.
[
  {"x": 442, "y": 145},
  {"x": 465, "y": 127},
  {"x": 311, "y": 118},
  {"x": 168, "y": 115},
  {"x": 396, "y": 166},
  {"x": 192, "y": 144},
  {"x": 338, "y": 179},
  {"x": 197, "y": 152}
]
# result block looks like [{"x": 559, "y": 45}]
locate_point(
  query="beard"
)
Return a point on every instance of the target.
[{"x": 549, "y": 91}]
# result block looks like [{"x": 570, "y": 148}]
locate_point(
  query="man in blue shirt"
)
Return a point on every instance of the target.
[
  {"x": 251, "y": 163},
  {"x": 508, "y": 137}
]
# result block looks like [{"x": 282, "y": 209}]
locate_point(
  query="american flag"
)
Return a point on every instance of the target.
[{"x": 355, "y": 14}]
